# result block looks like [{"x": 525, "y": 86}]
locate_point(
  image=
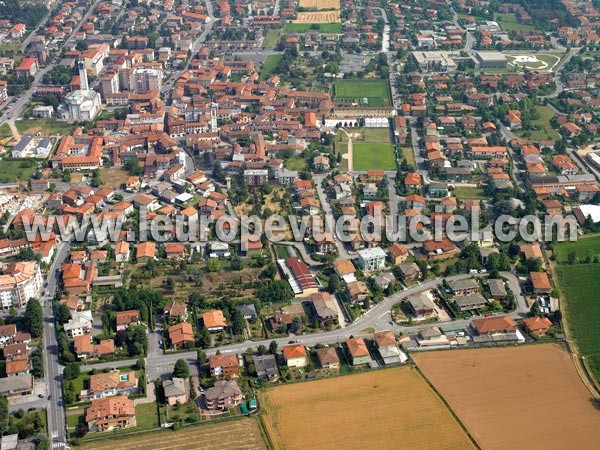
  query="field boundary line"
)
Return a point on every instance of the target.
[{"x": 446, "y": 405}]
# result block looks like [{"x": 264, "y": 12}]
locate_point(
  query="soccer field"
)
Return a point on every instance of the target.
[{"x": 372, "y": 155}]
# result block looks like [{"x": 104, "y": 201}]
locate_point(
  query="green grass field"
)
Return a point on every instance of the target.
[
  {"x": 366, "y": 156},
  {"x": 379, "y": 135},
  {"x": 469, "y": 193},
  {"x": 584, "y": 246},
  {"x": 376, "y": 91},
  {"x": 5, "y": 131},
  {"x": 269, "y": 66},
  {"x": 408, "y": 155},
  {"x": 509, "y": 22},
  {"x": 271, "y": 38},
  {"x": 333, "y": 28},
  {"x": 295, "y": 164},
  {"x": 543, "y": 123},
  {"x": 12, "y": 170},
  {"x": 580, "y": 287},
  {"x": 45, "y": 126}
]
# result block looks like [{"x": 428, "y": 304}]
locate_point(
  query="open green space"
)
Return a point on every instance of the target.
[
  {"x": 332, "y": 28},
  {"x": 509, "y": 22},
  {"x": 380, "y": 135},
  {"x": 269, "y": 66},
  {"x": 375, "y": 91},
  {"x": 545, "y": 130},
  {"x": 5, "y": 131},
  {"x": 271, "y": 38},
  {"x": 44, "y": 126},
  {"x": 373, "y": 155},
  {"x": 12, "y": 170},
  {"x": 295, "y": 164},
  {"x": 580, "y": 288},
  {"x": 409, "y": 155},
  {"x": 469, "y": 193},
  {"x": 583, "y": 247}
]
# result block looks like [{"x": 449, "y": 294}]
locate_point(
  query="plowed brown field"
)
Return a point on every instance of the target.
[
  {"x": 319, "y": 17},
  {"x": 527, "y": 397},
  {"x": 383, "y": 409}
]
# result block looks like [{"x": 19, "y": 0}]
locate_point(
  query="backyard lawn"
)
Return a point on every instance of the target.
[
  {"x": 469, "y": 193},
  {"x": 295, "y": 164},
  {"x": 366, "y": 156},
  {"x": 269, "y": 66},
  {"x": 409, "y": 155},
  {"x": 376, "y": 91},
  {"x": 580, "y": 288}
]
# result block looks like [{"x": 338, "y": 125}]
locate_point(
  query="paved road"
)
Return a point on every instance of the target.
[
  {"x": 377, "y": 318},
  {"x": 56, "y": 412}
]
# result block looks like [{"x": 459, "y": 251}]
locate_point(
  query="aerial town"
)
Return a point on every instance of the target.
[{"x": 169, "y": 174}]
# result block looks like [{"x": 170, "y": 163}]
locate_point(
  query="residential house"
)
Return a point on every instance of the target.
[
  {"x": 422, "y": 306},
  {"x": 80, "y": 323},
  {"x": 103, "y": 385},
  {"x": 537, "y": 325},
  {"x": 357, "y": 291},
  {"x": 497, "y": 289},
  {"x": 122, "y": 251},
  {"x": 470, "y": 302},
  {"x": 175, "y": 391},
  {"x": 409, "y": 271},
  {"x": 266, "y": 367},
  {"x": 325, "y": 308},
  {"x": 294, "y": 355},
  {"x": 398, "y": 253},
  {"x": 175, "y": 311},
  {"x": 214, "y": 321},
  {"x": 467, "y": 286},
  {"x": 371, "y": 258},
  {"x": 126, "y": 318},
  {"x": 540, "y": 283},
  {"x": 358, "y": 352},
  {"x": 111, "y": 413},
  {"x": 387, "y": 347},
  {"x": 224, "y": 366},
  {"x": 328, "y": 358},
  {"x": 248, "y": 311},
  {"x": 345, "y": 270},
  {"x": 7, "y": 334},
  {"x": 223, "y": 395},
  {"x": 84, "y": 349},
  {"x": 181, "y": 334}
]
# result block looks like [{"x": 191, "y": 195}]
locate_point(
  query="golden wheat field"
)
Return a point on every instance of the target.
[
  {"x": 318, "y": 17},
  {"x": 320, "y": 4},
  {"x": 382, "y": 409}
]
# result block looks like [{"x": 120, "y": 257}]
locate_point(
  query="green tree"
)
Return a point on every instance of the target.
[
  {"x": 34, "y": 317},
  {"x": 213, "y": 265},
  {"x": 44, "y": 444},
  {"x": 205, "y": 338},
  {"x": 238, "y": 322},
  {"x": 3, "y": 414},
  {"x": 181, "y": 369},
  {"x": 137, "y": 340},
  {"x": 72, "y": 371},
  {"x": 273, "y": 347},
  {"x": 37, "y": 364}
]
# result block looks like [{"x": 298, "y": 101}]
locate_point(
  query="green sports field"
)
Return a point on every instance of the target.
[
  {"x": 376, "y": 91},
  {"x": 332, "y": 28},
  {"x": 366, "y": 156},
  {"x": 580, "y": 287}
]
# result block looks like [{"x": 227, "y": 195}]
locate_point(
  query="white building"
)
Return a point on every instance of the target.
[
  {"x": 43, "y": 112},
  {"x": 146, "y": 80},
  {"x": 82, "y": 105},
  {"x": 371, "y": 258},
  {"x": 80, "y": 324},
  {"x": 19, "y": 282}
]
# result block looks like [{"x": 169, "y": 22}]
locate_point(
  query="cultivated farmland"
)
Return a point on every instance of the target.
[
  {"x": 235, "y": 435},
  {"x": 319, "y": 17},
  {"x": 320, "y": 4},
  {"x": 580, "y": 287},
  {"x": 516, "y": 397},
  {"x": 383, "y": 409}
]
